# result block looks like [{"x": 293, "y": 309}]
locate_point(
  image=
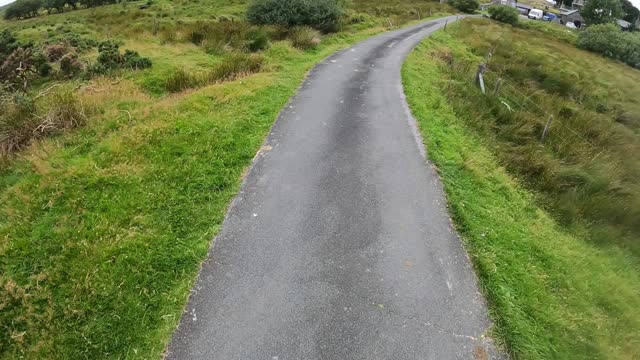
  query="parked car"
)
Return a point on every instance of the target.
[
  {"x": 549, "y": 17},
  {"x": 536, "y": 14},
  {"x": 571, "y": 25}
]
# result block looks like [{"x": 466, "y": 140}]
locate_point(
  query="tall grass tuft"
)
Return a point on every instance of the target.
[
  {"x": 180, "y": 80},
  {"x": 233, "y": 65},
  {"x": 304, "y": 37},
  {"x": 587, "y": 169},
  {"x": 17, "y": 122},
  {"x": 26, "y": 118},
  {"x": 218, "y": 37}
]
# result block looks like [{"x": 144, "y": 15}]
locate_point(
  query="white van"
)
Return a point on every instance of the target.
[{"x": 535, "y": 14}]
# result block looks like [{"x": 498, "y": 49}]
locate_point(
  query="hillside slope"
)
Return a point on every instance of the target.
[{"x": 558, "y": 288}]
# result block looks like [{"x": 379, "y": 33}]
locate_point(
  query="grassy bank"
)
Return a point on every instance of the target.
[
  {"x": 102, "y": 229},
  {"x": 554, "y": 290}
]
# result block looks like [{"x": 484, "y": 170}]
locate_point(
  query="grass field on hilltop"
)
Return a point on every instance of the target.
[
  {"x": 103, "y": 228},
  {"x": 561, "y": 282}
]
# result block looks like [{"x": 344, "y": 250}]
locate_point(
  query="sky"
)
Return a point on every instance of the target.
[{"x": 635, "y": 3}]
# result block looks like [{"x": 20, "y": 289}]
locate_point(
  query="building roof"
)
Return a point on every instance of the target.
[
  {"x": 524, "y": 6},
  {"x": 568, "y": 12},
  {"x": 623, "y": 23}
]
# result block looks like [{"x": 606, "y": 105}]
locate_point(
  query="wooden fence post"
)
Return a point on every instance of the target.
[
  {"x": 479, "y": 79},
  {"x": 546, "y": 128},
  {"x": 445, "y": 25}
]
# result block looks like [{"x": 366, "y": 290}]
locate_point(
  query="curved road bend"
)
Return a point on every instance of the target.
[{"x": 339, "y": 245}]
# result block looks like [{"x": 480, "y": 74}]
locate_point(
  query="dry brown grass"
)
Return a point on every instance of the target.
[{"x": 28, "y": 118}]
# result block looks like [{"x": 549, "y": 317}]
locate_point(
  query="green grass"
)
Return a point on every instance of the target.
[
  {"x": 587, "y": 170},
  {"x": 553, "y": 292},
  {"x": 102, "y": 229}
]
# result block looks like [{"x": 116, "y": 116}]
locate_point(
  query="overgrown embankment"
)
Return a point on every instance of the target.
[
  {"x": 103, "y": 226},
  {"x": 549, "y": 225}
]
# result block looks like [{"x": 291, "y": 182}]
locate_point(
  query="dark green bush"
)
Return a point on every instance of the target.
[
  {"x": 8, "y": 43},
  {"x": 323, "y": 15},
  {"x": 41, "y": 65},
  {"x": 70, "y": 65},
  {"x": 79, "y": 42},
  {"x": 608, "y": 40},
  {"x": 504, "y": 13},
  {"x": 110, "y": 58},
  {"x": 109, "y": 55},
  {"x": 133, "y": 60},
  {"x": 44, "y": 69},
  {"x": 467, "y": 6}
]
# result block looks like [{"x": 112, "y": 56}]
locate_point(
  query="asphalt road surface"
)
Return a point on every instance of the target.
[{"x": 339, "y": 245}]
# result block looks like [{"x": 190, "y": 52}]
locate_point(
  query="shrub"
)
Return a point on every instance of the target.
[
  {"x": 8, "y": 44},
  {"x": 70, "y": 65},
  {"x": 467, "y": 6},
  {"x": 601, "y": 11},
  {"x": 79, "y": 42},
  {"x": 41, "y": 65},
  {"x": 44, "y": 69},
  {"x": 608, "y": 40},
  {"x": 303, "y": 37},
  {"x": 17, "y": 66},
  {"x": 505, "y": 14},
  {"x": 24, "y": 118},
  {"x": 109, "y": 55},
  {"x": 55, "y": 52},
  {"x": 320, "y": 14},
  {"x": 133, "y": 60},
  {"x": 109, "y": 58}
]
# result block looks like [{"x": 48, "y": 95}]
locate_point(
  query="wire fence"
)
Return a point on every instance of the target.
[{"x": 514, "y": 100}]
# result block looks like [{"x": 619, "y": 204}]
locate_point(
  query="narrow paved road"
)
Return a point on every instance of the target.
[{"x": 339, "y": 245}]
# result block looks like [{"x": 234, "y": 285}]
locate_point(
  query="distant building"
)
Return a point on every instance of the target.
[
  {"x": 523, "y": 8},
  {"x": 577, "y": 4},
  {"x": 624, "y": 25},
  {"x": 573, "y": 15}
]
